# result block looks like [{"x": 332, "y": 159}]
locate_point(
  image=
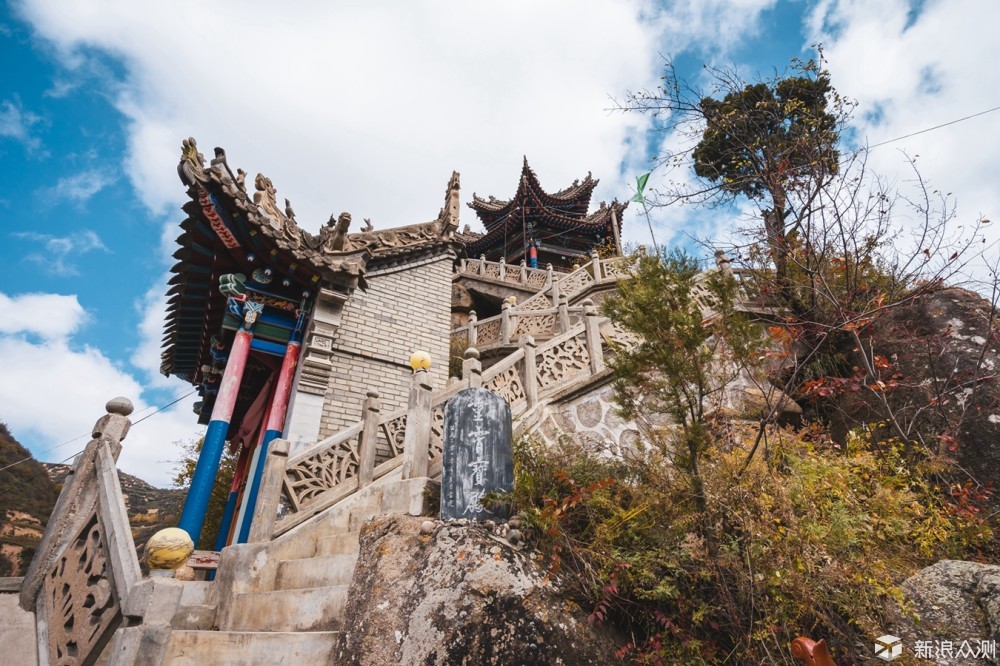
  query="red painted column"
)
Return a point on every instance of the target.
[
  {"x": 275, "y": 426},
  {"x": 193, "y": 516}
]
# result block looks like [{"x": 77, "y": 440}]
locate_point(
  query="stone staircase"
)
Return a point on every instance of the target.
[
  {"x": 288, "y": 606},
  {"x": 280, "y": 599}
]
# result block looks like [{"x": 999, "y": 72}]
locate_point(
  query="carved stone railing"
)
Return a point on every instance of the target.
[
  {"x": 545, "y": 314},
  {"x": 338, "y": 466},
  {"x": 85, "y": 565},
  {"x": 499, "y": 271},
  {"x": 410, "y": 439},
  {"x": 507, "y": 327}
]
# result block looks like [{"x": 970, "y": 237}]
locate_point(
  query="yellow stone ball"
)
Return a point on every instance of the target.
[
  {"x": 169, "y": 548},
  {"x": 420, "y": 360}
]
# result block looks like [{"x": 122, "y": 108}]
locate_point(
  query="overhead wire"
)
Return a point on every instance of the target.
[
  {"x": 843, "y": 158},
  {"x": 70, "y": 441}
]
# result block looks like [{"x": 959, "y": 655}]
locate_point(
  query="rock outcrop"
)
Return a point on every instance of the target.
[
  {"x": 944, "y": 347},
  {"x": 459, "y": 594},
  {"x": 953, "y": 601}
]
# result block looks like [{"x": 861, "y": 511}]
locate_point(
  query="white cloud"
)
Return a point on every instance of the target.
[
  {"x": 49, "y": 316},
  {"x": 374, "y": 106},
  {"x": 17, "y": 124},
  {"x": 54, "y": 391},
  {"x": 80, "y": 187},
  {"x": 915, "y": 66},
  {"x": 61, "y": 251}
]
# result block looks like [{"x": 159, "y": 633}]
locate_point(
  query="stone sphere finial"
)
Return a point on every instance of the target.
[
  {"x": 420, "y": 360},
  {"x": 119, "y": 405},
  {"x": 168, "y": 550},
  {"x": 373, "y": 393},
  {"x": 472, "y": 352}
]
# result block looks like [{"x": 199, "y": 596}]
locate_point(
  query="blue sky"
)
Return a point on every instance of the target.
[{"x": 368, "y": 107}]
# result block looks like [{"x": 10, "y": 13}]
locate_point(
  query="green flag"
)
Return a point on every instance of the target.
[{"x": 640, "y": 186}]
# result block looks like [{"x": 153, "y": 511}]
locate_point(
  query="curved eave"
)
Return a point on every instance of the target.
[
  {"x": 573, "y": 200},
  {"x": 600, "y": 221}
]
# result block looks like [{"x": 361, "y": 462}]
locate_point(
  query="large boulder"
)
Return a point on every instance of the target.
[
  {"x": 459, "y": 594},
  {"x": 944, "y": 346},
  {"x": 954, "y": 603}
]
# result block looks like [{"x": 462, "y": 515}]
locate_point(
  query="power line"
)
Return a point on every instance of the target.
[
  {"x": 929, "y": 129},
  {"x": 845, "y": 156},
  {"x": 70, "y": 441}
]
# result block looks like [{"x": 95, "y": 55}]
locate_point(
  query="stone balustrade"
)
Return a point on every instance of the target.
[
  {"x": 339, "y": 466},
  {"x": 499, "y": 271},
  {"x": 85, "y": 566}
]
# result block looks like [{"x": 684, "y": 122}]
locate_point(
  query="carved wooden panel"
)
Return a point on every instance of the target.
[
  {"x": 616, "y": 268},
  {"x": 488, "y": 333},
  {"x": 81, "y": 607},
  {"x": 437, "y": 432},
  {"x": 492, "y": 270},
  {"x": 539, "y": 301},
  {"x": 567, "y": 359},
  {"x": 313, "y": 476},
  {"x": 621, "y": 336},
  {"x": 512, "y": 274},
  {"x": 507, "y": 385},
  {"x": 537, "y": 278},
  {"x": 391, "y": 435},
  {"x": 575, "y": 282},
  {"x": 538, "y": 325}
]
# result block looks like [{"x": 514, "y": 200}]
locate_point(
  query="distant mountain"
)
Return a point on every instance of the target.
[
  {"x": 150, "y": 509},
  {"x": 27, "y": 496},
  {"x": 28, "y": 493}
]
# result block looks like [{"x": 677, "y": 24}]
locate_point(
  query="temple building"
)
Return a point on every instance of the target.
[
  {"x": 543, "y": 228},
  {"x": 286, "y": 333}
]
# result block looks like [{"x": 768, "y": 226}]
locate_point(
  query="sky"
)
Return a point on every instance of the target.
[{"x": 368, "y": 107}]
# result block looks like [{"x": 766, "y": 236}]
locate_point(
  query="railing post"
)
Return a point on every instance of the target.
[
  {"x": 482, "y": 264},
  {"x": 502, "y": 272},
  {"x": 265, "y": 513},
  {"x": 369, "y": 434},
  {"x": 524, "y": 272},
  {"x": 472, "y": 369},
  {"x": 506, "y": 323},
  {"x": 75, "y": 502},
  {"x": 463, "y": 265},
  {"x": 473, "y": 337},
  {"x": 550, "y": 272},
  {"x": 594, "y": 344},
  {"x": 595, "y": 260},
  {"x": 563, "y": 313},
  {"x": 417, "y": 437},
  {"x": 553, "y": 287},
  {"x": 530, "y": 377},
  {"x": 723, "y": 264}
]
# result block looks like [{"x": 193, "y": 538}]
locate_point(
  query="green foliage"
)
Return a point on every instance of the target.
[
  {"x": 683, "y": 358},
  {"x": 813, "y": 544},
  {"x": 767, "y": 136}
]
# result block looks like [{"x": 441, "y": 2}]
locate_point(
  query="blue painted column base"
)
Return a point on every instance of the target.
[{"x": 193, "y": 515}]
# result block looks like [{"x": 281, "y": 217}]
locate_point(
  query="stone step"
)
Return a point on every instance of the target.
[
  {"x": 362, "y": 514},
  {"x": 316, "y": 571},
  {"x": 316, "y": 609},
  {"x": 346, "y": 542},
  {"x": 239, "y": 648},
  {"x": 199, "y": 616}
]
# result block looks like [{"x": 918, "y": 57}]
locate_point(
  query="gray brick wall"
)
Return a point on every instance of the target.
[{"x": 404, "y": 309}]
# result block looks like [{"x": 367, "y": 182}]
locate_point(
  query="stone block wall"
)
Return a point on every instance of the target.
[
  {"x": 405, "y": 308},
  {"x": 592, "y": 419}
]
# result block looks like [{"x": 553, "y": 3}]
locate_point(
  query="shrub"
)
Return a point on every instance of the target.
[{"x": 811, "y": 541}]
